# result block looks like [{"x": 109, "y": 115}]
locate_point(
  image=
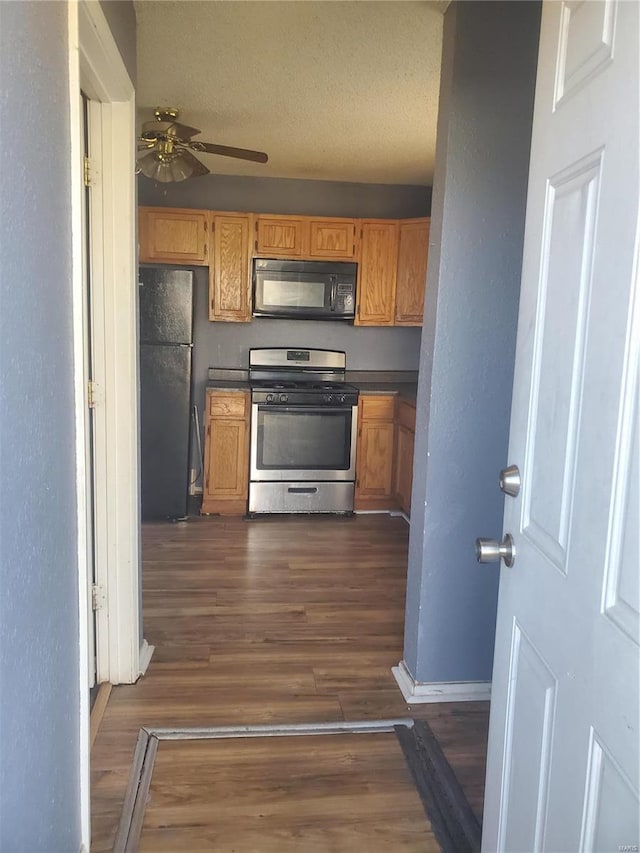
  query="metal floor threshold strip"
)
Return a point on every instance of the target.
[{"x": 130, "y": 827}]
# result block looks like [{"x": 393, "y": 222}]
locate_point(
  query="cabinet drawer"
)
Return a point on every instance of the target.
[
  {"x": 231, "y": 405},
  {"x": 377, "y": 408},
  {"x": 406, "y": 415}
]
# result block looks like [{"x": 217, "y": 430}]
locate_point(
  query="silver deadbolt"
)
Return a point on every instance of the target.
[
  {"x": 492, "y": 551},
  {"x": 510, "y": 481}
]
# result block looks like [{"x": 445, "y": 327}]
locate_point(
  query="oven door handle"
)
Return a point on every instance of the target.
[{"x": 305, "y": 410}]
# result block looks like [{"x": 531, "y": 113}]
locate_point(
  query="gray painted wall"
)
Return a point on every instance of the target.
[
  {"x": 39, "y": 703},
  {"x": 121, "y": 18},
  {"x": 468, "y": 343},
  {"x": 39, "y": 678},
  {"x": 280, "y": 195}
]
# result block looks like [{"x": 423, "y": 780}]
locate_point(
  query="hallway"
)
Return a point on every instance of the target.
[{"x": 275, "y": 620}]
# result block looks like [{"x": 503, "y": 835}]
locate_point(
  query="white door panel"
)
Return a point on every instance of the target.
[{"x": 562, "y": 770}]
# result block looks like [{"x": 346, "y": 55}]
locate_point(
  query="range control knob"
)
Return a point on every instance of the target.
[
  {"x": 342, "y": 398},
  {"x": 328, "y": 398},
  {"x": 284, "y": 398},
  {"x": 271, "y": 398}
]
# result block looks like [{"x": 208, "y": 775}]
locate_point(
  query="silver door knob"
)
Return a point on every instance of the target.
[
  {"x": 492, "y": 551},
  {"x": 510, "y": 481}
]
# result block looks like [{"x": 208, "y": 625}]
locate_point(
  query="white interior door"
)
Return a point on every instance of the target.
[{"x": 562, "y": 772}]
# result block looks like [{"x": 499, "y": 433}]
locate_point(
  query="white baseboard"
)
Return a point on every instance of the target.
[
  {"x": 394, "y": 513},
  {"x": 146, "y": 651},
  {"x": 418, "y": 692},
  {"x": 398, "y": 513}
]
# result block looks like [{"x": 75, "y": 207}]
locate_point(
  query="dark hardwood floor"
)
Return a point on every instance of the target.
[{"x": 274, "y": 620}]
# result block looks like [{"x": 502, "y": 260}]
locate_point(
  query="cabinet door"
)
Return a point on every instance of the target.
[
  {"x": 404, "y": 467},
  {"x": 333, "y": 239},
  {"x": 280, "y": 236},
  {"x": 172, "y": 236},
  {"x": 226, "y": 474},
  {"x": 230, "y": 268},
  {"x": 413, "y": 251},
  {"x": 375, "y": 466},
  {"x": 375, "y": 452},
  {"x": 377, "y": 273}
]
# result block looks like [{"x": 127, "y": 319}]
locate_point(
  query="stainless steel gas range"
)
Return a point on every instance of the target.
[{"x": 303, "y": 432}]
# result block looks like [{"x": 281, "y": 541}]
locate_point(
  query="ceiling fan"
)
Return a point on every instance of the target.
[{"x": 165, "y": 148}]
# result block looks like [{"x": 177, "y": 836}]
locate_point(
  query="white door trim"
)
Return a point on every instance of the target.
[{"x": 95, "y": 65}]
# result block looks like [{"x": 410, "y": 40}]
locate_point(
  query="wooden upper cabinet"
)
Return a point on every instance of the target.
[
  {"x": 280, "y": 236},
  {"x": 312, "y": 237},
  {"x": 377, "y": 273},
  {"x": 173, "y": 236},
  {"x": 230, "y": 267},
  {"x": 333, "y": 239},
  {"x": 413, "y": 251}
]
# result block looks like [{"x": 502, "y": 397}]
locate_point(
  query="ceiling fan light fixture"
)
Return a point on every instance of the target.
[{"x": 166, "y": 169}]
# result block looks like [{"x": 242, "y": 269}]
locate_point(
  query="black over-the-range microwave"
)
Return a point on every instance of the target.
[{"x": 307, "y": 290}]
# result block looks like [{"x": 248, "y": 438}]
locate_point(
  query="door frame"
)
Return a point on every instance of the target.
[{"x": 96, "y": 67}]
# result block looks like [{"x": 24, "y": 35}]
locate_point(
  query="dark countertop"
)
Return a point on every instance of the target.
[
  {"x": 407, "y": 390},
  {"x": 227, "y": 385},
  {"x": 402, "y": 383}
]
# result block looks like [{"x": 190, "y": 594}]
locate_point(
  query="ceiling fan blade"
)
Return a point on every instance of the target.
[
  {"x": 226, "y": 151},
  {"x": 183, "y": 131},
  {"x": 154, "y": 129},
  {"x": 198, "y": 167}
]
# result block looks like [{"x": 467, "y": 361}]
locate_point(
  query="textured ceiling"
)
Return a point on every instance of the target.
[{"x": 340, "y": 91}]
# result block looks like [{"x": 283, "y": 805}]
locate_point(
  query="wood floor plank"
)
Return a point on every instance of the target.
[
  {"x": 260, "y": 794},
  {"x": 276, "y": 620}
]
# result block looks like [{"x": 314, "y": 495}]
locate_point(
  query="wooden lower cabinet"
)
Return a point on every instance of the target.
[
  {"x": 384, "y": 453},
  {"x": 405, "y": 417},
  {"x": 404, "y": 468},
  {"x": 226, "y": 453},
  {"x": 374, "y": 452}
]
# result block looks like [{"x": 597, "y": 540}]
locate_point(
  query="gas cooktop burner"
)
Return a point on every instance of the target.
[
  {"x": 300, "y": 385},
  {"x": 273, "y": 384}
]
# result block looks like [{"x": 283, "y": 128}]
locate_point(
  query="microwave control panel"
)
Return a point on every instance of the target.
[{"x": 344, "y": 297}]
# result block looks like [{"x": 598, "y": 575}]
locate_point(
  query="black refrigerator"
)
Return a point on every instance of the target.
[{"x": 166, "y": 343}]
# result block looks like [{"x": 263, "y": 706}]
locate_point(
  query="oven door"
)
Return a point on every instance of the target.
[{"x": 303, "y": 443}]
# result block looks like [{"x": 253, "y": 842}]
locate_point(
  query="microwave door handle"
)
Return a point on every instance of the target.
[{"x": 334, "y": 287}]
